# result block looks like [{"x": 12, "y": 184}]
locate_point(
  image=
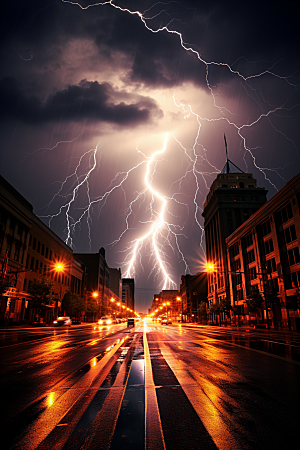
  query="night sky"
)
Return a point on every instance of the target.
[{"x": 89, "y": 95}]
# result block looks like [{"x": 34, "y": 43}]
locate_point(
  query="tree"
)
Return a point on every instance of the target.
[
  {"x": 215, "y": 309},
  {"x": 254, "y": 301},
  {"x": 92, "y": 308},
  {"x": 73, "y": 304},
  {"x": 41, "y": 292},
  {"x": 202, "y": 311},
  {"x": 225, "y": 306}
]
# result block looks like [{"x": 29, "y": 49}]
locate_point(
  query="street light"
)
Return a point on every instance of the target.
[
  {"x": 179, "y": 299},
  {"x": 59, "y": 267}
]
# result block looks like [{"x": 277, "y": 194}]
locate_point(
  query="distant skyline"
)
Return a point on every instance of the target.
[{"x": 113, "y": 120}]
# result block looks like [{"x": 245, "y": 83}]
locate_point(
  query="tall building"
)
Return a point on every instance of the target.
[
  {"x": 115, "y": 282},
  {"x": 232, "y": 199},
  {"x": 97, "y": 279},
  {"x": 193, "y": 291},
  {"x": 128, "y": 292},
  {"x": 264, "y": 256},
  {"x": 30, "y": 251}
]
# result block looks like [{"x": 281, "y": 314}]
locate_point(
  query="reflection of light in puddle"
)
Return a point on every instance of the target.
[
  {"x": 50, "y": 399},
  {"x": 119, "y": 341},
  {"x": 94, "y": 342},
  {"x": 93, "y": 362}
]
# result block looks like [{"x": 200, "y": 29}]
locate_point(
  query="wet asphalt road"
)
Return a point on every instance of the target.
[{"x": 153, "y": 387}]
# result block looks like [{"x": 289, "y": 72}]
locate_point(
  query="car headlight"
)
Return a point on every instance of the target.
[
  {"x": 108, "y": 322},
  {"x": 100, "y": 321}
]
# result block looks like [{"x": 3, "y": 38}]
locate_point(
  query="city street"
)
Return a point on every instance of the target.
[{"x": 149, "y": 387}]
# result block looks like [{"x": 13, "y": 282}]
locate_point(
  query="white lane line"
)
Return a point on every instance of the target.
[
  {"x": 51, "y": 417},
  {"x": 154, "y": 439}
]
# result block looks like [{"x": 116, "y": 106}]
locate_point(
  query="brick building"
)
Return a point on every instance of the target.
[{"x": 264, "y": 254}]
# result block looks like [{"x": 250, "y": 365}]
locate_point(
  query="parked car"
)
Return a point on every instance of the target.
[
  {"x": 64, "y": 321},
  {"x": 164, "y": 321},
  {"x": 105, "y": 320},
  {"x": 170, "y": 321}
]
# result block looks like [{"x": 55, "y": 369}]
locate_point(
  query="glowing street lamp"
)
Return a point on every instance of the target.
[
  {"x": 210, "y": 267},
  {"x": 59, "y": 267}
]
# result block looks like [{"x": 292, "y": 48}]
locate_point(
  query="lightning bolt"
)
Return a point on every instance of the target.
[{"x": 161, "y": 232}]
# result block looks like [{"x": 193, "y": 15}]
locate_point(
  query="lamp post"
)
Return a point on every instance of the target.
[
  {"x": 179, "y": 299},
  {"x": 112, "y": 300},
  {"x": 95, "y": 295},
  {"x": 59, "y": 268}
]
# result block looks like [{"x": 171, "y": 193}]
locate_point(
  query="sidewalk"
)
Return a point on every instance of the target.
[{"x": 243, "y": 329}]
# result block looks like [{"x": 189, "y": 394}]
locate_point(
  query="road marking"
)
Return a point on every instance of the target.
[
  {"x": 54, "y": 414},
  {"x": 102, "y": 430},
  {"x": 154, "y": 439}
]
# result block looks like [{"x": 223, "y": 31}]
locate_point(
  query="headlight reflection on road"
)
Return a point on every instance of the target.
[
  {"x": 93, "y": 362},
  {"x": 50, "y": 399}
]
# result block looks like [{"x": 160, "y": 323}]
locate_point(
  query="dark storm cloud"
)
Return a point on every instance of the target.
[
  {"x": 221, "y": 31},
  {"x": 87, "y": 100}
]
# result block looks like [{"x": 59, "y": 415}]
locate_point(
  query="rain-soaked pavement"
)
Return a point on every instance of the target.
[{"x": 149, "y": 387}]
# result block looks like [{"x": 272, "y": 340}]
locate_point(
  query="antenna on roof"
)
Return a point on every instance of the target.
[{"x": 227, "y": 163}]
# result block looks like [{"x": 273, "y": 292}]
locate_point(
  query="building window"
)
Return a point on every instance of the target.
[
  {"x": 236, "y": 265},
  {"x": 247, "y": 240},
  {"x": 265, "y": 228},
  {"x": 291, "y": 257},
  {"x": 293, "y": 280},
  {"x": 27, "y": 261},
  {"x": 288, "y": 235},
  {"x": 43, "y": 250},
  {"x": 271, "y": 265},
  {"x": 17, "y": 251},
  {"x": 34, "y": 244},
  {"x": 32, "y": 263},
  {"x": 234, "y": 250},
  {"x": 36, "y": 265},
  {"x": 30, "y": 240},
  {"x": 250, "y": 257},
  {"x": 268, "y": 246},
  {"x": 285, "y": 214},
  {"x": 46, "y": 253},
  {"x": 38, "y": 247}
]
